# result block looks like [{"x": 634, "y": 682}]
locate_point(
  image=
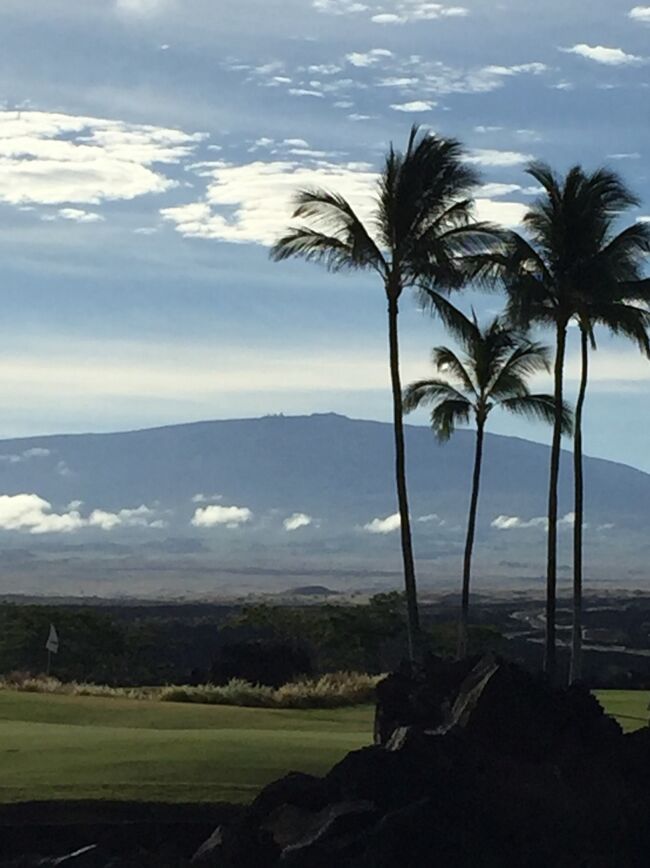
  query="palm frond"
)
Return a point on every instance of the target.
[
  {"x": 446, "y": 416},
  {"x": 446, "y": 361},
  {"x": 423, "y": 393},
  {"x": 331, "y": 224},
  {"x": 526, "y": 359},
  {"x": 540, "y": 408}
]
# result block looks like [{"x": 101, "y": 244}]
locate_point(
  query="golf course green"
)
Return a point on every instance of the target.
[{"x": 69, "y": 747}]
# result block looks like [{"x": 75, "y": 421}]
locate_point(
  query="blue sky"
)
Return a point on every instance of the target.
[{"x": 148, "y": 151}]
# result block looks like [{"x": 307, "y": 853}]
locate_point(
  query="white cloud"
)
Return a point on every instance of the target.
[
  {"x": 490, "y": 157},
  {"x": 339, "y": 7},
  {"x": 633, "y": 155},
  {"x": 216, "y": 516},
  {"x": 418, "y": 105},
  {"x": 206, "y": 498},
  {"x": 369, "y": 58},
  {"x": 418, "y": 10},
  {"x": 31, "y": 513},
  {"x": 514, "y": 522},
  {"x": 297, "y": 520},
  {"x": 507, "y": 213},
  {"x": 253, "y": 202},
  {"x": 601, "y": 54},
  {"x": 50, "y": 158},
  {"x": 432, "y": 518},
  {"x": 79, "y": 215},
  {"x": 384, "y": 525},
  {"x": 640, "y": 13},
  {"x": 301, "y": 91},
  {"x": 532, "y": 68}
]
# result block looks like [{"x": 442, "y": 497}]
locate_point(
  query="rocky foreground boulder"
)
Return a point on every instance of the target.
[{"x": 476, "y": 764}]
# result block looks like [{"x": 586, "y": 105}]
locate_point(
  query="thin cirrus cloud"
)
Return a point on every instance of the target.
[
  {"x": 49, "y": 158},
  {"x": 221, "y": 516},
  {"x": 384, "y": 525},
  {"x": 297, "y": 520},
  {"x": 604, "y": 55},
  {"x": 252, "y": 202},
  {"x": 33, "y": 514}
]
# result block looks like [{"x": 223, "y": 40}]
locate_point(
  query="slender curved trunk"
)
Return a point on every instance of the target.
[
  {"x": 469, "y": 544},
  {"x": 550, "y": 657},
  {"x": 400, "y": 478},
  {"x": 575, "y": 672}
]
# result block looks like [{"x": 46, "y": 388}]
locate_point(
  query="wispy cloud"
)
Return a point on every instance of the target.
[
  {"x": 418, "y": 105},
  {"x": 514, "y": 522},
  {"x": 368, "y": 58},
  {"x": 48, "y": 158},
  {"x": 604, "y": 55}
]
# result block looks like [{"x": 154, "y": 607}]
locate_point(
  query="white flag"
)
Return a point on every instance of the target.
[{"x": 52, "y": 643}]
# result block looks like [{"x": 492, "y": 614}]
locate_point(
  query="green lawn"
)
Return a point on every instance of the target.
[{"x": 57, "y": 747}]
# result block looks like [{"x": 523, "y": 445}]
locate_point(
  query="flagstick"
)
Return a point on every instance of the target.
[{"x": 49, "y": 662}]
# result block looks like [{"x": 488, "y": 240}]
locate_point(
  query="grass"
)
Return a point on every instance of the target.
[
  {"x": 79, "y": 747},
  {"x": 59, "y": 747}
]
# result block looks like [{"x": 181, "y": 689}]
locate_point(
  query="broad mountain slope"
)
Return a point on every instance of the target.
[{"x": 337, "y": 471}]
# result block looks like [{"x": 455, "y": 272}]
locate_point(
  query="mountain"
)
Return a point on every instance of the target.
[{"x": 241, "y": 504}]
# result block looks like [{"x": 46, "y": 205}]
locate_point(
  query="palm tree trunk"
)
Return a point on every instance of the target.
[
  {"x": 575, "y": 672},
  {"x": 550, "y": 658},
  {"x": 400, "y": 478},
  {"x": 469, "y": 545}
]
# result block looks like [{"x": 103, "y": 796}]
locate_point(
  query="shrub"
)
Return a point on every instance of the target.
[{"x": 330, "y": 691}]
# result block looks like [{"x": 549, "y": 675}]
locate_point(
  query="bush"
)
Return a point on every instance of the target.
[
  {"x": 335, "y": 690},
  {"x": 330, "y": 691}
]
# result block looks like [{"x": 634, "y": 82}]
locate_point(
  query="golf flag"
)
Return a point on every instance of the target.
[{"x": 52, "y": 643}]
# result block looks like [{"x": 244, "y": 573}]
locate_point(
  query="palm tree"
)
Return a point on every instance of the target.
[
  {"x": 567, "y": 253},
  {"x": 493, "y": 372},
  {"x": 621, "y": 308},
  {"x": 420, "y": 224}
]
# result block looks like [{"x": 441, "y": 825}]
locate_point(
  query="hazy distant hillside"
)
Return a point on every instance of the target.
[{"x": 198, "y": 506}]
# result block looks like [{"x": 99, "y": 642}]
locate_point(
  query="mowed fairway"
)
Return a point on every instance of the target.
[
  {"x": 65, "y": 747},
  {"x": 58, "y": 747}
]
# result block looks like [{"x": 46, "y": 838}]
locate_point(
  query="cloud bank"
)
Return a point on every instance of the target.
[{"x": 31, "y": 513}]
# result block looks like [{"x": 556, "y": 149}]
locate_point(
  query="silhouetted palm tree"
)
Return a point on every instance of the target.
[
  {"x": 420, "y": 224},
  {"x": 567, "y": 253},
  {"x": 620, "y": 306},
  {"x": 493, "y": 372}
]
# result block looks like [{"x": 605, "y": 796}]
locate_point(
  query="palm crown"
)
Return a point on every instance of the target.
[
  {"x": 574, "y": 254},
  {"x": 492, "y": 372},
  {"x": 421, "y": 225}
]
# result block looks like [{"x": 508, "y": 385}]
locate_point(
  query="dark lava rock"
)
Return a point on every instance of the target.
[{"x": 479, "y": 765}]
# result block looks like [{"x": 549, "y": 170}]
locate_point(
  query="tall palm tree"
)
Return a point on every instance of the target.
[
  {"x": 493, "y": 372},
  {"x": 621, "y": 307},
  {"x": 566, "y": 252},
  {"x": 420, "y": 224}
]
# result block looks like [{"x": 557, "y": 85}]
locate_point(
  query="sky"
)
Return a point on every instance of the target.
[{"x": 149, "y": 150}]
